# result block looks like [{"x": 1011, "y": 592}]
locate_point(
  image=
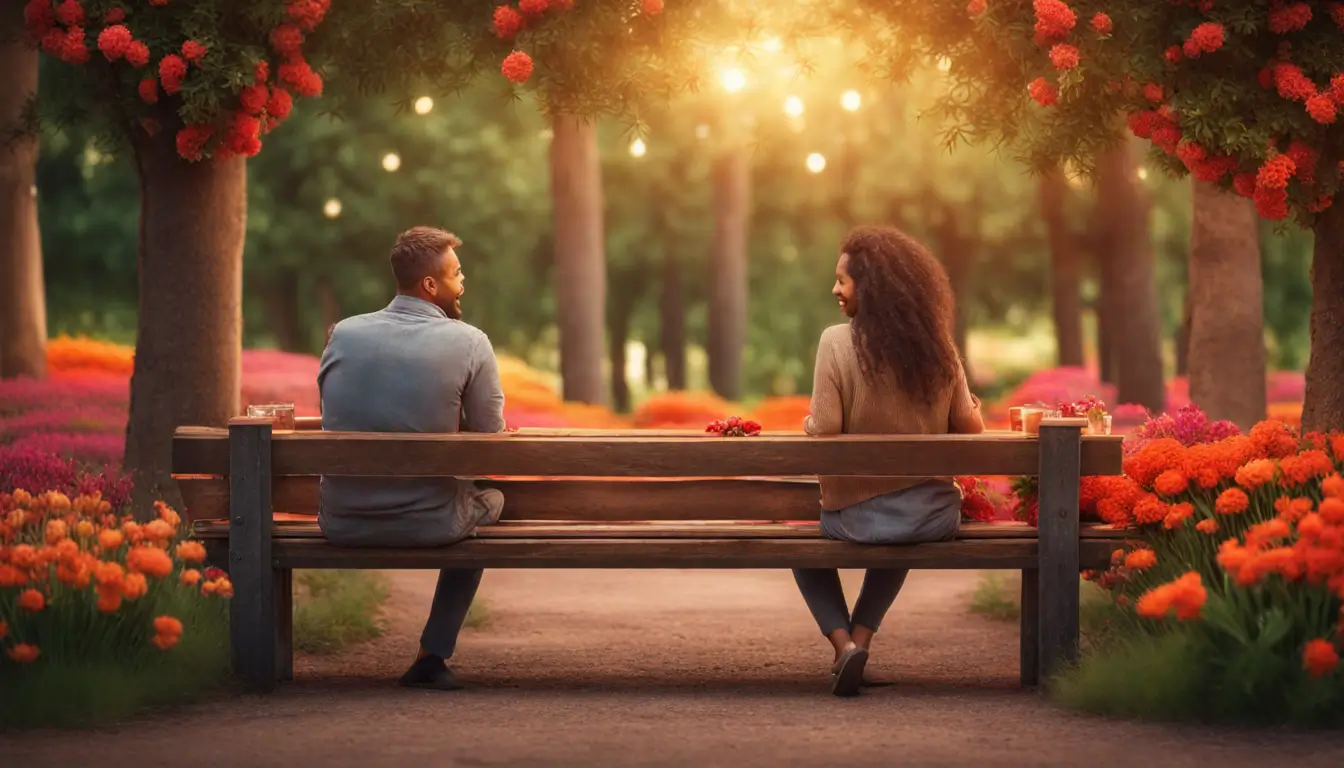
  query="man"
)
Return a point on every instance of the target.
[{"x": 414, "y": 367}]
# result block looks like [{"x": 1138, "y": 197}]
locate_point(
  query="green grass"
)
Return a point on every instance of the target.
[
  {"x": 333, "y": 609},
  {"x": 72, "y": 693},
  {"x": 998, "y": 596}
]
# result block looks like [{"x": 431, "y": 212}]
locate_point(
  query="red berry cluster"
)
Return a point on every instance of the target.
[
  {"x": 1089, "y": 405},
  {"x": 58, "y": 27},
  {"x": 734, "y": 426},
  {"x": 974, "y": 504},
  {"x": 507, "y": 22}
]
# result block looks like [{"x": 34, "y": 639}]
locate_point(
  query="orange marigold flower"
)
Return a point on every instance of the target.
[
  {"x": 1145, "y": 464},
  {"x": 1177, "y": 515},
  {"x": 1171, "y": 482},
  {"x": 1304, "y": 467},
  {"x": 191, "y": 552},
  {"x": 1333, "y": 486},
  {"x": 134, "y": 586},
  {"x": 32, "y": 600},
  {"x": 167, "y": 514},
  {"x": 11, "y": 576},
  {"x": 110, "y": 539},
  {"x": 1141, "y": 560},
  {"x": 56, "y": 531},
  {"x": 149, "y": 561},
  {"x": 23, "y": 556},
  {"x": 1319, "y": 657},
  {"x": 191, "y": 577},
  {"x": 1233, "y": 501},
  {"x": 1332, "y": 511},
  {"x": 1232, "y": 555},
  {"x": 1310, "y": 526},
  {"x": 108, "y": 574},
  {"x": 158, "y": 531},
  {"x": 1277, "y": 560},
  {"x": 109, "y": 602},
  {"x": 1273, "y": 439},
  {"x": 167, "y": 625},
  {"x": 1186, "y": 595},
  {"x": 1271, "y": 530},
  {"x": 23, "y": 653},
  {"x": 1292, "y": 509},
  {"x": 1255, "y": 473}
]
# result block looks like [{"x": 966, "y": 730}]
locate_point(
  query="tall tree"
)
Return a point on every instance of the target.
[
  {"x": 580, "y": 257},
  {"x": 1227, "y": 329},
  {"x": 1066, "y": 301},
  {"x": 23, "y": 308},
  {"x": 1130, "y": 299},
  {"x": 727, "y": 278}
]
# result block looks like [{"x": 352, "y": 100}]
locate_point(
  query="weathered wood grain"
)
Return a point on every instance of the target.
[
  {"x": 1059, "y": 548},
  {"x": 203, "y": 451},
  {"x": 252, "y": 619},
  {"x": 1004, "y": 554}
]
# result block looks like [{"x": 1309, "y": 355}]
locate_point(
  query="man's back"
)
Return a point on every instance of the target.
[{"x": 406, "y": 368}]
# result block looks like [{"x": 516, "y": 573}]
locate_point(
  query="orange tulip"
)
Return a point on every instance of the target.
[
  {"x": 167, "y": 625},
  {"x": 1320, "y": 658},
  {"x": 149, "y": 561},
  {"x": 57, "y": 530},
  {"x": 1141, "y": 559},
  {"x": 11, "y": 576},
  {"x": 1209, "y": 526},
  {"x": 167, "y": 514},
  {"x": 191, "y": 552},
  {"x": 191, "y": 577},
  {"x": 110, "y": 539},
  {"x": 158, "y": 531},
  {"x": 84, "y": 529},
  {"x": 23, "y": 556}
]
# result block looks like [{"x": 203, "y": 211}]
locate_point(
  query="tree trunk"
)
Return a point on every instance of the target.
[
  {"x": 620, "y": 336},
  {"x": 580, "y": 257},
  {"x": 956, "y": 253},
  {"x": 672, "y": 319},
  {"x": 1065, "y": 270},
  {"x": 731, "y": 179},
  {"x": 1130, "y": 302},
  {"x": 189, "y": 336},
  {"x": 280, "y": 300},
  {"x": 1323, "y": 410},
  {"x": 1183, "y": 332},
  {"x": 23, "y": 302},
  {"x": 1227, "y": 315}
]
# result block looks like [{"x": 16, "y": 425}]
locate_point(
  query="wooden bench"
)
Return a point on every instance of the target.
[{"x": 587, "y": 499}]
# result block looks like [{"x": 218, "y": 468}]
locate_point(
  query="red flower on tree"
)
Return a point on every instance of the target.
[
  {"x": 1291, "y": 83},
  {"x": 244, "y": 136},
  {"x": 1054, "y": 20},
  {"x": 301, "y": 77},
  {"x": 114, "y": 16},
  {"x": 263, "y": 72},
  {"x": 253, "y": 99},
  {"x": 113, "y": 41},
  {"x": 652, "y": 7},
  {"x": 533, "y": 7},
  {"x": 1064, "y": 56},
  {"x": 193, "y": 51},
  {"x": 1102, "y": 24},
  {"x": 1288, "y": 17},
  {"x": 73, "y": 48},
  {"x": 1321, "y": 107},
  {"x": 137, "y": 54},
  {"x": 507, "y": 22},
  {"x": 1206, "y": 38},
  {"x": 287, "y": 39},
  {"x": 149, "y": 90},
  {"x": 192, "y": 139},
  {"x": 172, "y": 69},
  {"x": 517, "y": 67},
  {"x": 975, "y": 8},
  {"x": 70, "y": 13},
  {"x": 279, "y": 106},
  {"x": 308, "y": 13},
  {"x": 1043, "y": 92},
  {"x": 39, "y": 16}
]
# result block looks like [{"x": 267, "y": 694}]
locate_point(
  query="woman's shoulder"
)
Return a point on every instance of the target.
[{"x": 837, "y": 335}]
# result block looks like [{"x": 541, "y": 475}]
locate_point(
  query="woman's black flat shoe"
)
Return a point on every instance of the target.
[{"x": 849, "y": 672}]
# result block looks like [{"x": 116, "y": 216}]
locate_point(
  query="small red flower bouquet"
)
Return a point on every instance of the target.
[
  {"x": 975, "y": 506},
  {"x": 734, "y": 426}
]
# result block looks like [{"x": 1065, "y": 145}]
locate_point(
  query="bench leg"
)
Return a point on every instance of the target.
[
  {"x": 284, "y": 624},
  {"x": 1057, "y": 547},
  {"x": 1030, "y": 643},
  {"x": 252, "y": 611}
]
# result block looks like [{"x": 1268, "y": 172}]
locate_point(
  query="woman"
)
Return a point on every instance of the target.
[{"x": 892, "y": 369}]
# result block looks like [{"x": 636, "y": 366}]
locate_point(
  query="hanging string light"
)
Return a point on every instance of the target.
[
  {"x": 332, "y": 208},
  {"x": 638, "y": 148},
  {"x": 423, "y": 105},
  {"x": 816, "y": 162},
  {"x": 733, "y": 79},
  {"x": 391, "y": 162},
  {"x": 793, "y": 106},
  {"x": 851, "y": 100}
]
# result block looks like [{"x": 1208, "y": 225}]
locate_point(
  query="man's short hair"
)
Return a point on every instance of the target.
[{"x": 416, "y": 254}]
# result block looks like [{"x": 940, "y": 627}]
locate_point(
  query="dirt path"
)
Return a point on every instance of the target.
[{"x": 665, "y": 668}]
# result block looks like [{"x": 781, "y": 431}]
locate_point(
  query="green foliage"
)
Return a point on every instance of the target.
[
  {"x": 65, "y": 690},
  {"x": 998, "y": 596},
  {"x": 335, "y": 609},
  {"x": 1213, "y": 100}
]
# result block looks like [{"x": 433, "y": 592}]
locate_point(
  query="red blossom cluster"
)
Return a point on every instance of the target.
[
  {"x": 507, "y": 22},
  {"x": 58, "y": 27},
  {"x": 734, "y": 426}
]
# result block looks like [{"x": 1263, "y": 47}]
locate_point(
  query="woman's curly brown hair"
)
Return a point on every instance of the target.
[{"x": 903, "y": 321}]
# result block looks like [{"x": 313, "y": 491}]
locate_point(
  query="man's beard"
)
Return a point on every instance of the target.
[{"x": 453, "y": 309}]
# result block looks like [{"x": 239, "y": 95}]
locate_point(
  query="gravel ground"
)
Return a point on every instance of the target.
[{"x": 665, "y": 668}]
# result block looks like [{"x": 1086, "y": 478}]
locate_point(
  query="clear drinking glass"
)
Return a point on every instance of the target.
[{"x": 280, "y": 414}]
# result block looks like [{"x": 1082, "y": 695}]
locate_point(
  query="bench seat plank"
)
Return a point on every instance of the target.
[
  {"x": 204, "y": 451},
  {"x": 577, "y": 529},
  {"x": 757, "y": 553}
]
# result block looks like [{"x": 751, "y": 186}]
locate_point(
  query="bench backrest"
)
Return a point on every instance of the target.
[{"x": 609, "y": 476}]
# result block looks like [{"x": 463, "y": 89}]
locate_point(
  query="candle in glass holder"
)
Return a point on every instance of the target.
[
  {"x": 1015, "y": 418},
  {"x": 1031, "y": 420},
  {"x": 280, "y": 414}
]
